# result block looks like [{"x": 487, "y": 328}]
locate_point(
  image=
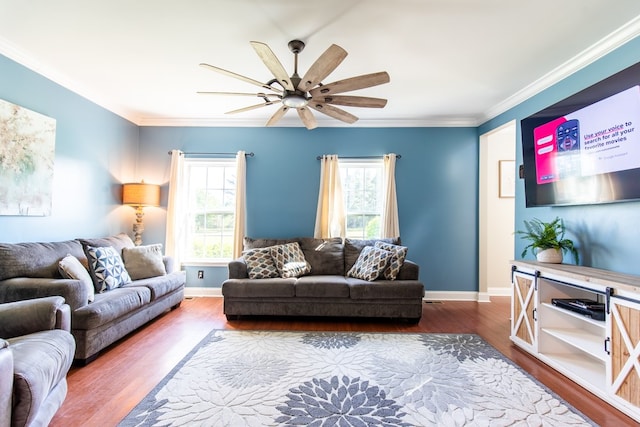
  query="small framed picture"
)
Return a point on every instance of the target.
[{"x": 506, "y": 178}]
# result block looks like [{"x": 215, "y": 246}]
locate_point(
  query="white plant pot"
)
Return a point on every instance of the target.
[{"x": 552, "y": 256}]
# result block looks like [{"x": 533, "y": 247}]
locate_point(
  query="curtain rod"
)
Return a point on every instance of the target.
[
  {"x": 398, "y": 156},
  {"x": 216, "y": 154}
]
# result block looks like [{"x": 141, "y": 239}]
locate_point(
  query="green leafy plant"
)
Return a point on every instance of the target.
[{"x": 546, "y": 235}]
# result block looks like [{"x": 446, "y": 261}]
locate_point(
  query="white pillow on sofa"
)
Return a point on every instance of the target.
[
  {"x": 70, "y": 267},
  {"x": 371, "y": 263},
  {"x": 143, "y": 262},
  {"x": 106, "y": 266}
]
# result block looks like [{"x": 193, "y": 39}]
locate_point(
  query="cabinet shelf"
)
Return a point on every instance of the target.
[
  {"x": 598, "y": 323},
  {"x": 585, "y": 371},
  {"x": 589, "y": 343}
]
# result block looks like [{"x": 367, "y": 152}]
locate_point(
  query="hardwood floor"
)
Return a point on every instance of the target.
[{"x": 103, "y": 393}]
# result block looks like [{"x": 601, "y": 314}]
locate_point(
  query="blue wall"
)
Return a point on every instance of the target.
[
  {"x": 607, "y": 235},
  {"x": 436, "y": 181},
  {"x": 437, "y": 178},
  {"x": 95, "y": 151}
]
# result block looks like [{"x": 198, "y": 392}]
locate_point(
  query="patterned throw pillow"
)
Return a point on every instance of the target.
[
  {"x": 260, "y": 263},
  {"x": 399, "y": 254},
  {"x": 370, "y": 264},
  {"x": 290, "y": 260},
  {"x": 107, "y": 268}
]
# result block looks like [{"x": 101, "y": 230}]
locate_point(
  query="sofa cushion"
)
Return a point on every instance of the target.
[
  {"x": 35, "y": 259},
  {"x": 322, "y": 287},
  {"x": 251, "y": 243},
  {"x": 41, "y": 361},
  {"x": 325, "y": 256},
  {"x": 384, "y": 289},
  {"x": 161, "y": 285},
  {"x": 290, "y": 260},
  {"x": 118, "y": 242},
  {"x": 142, "y": 262},
  {"x": 260, "y": 263},
  {"x": 106, "y": 268},
  {"x": 370, "y": 264},
  {"x": 110, "y": 305},
  {"x": 259, "y": 288},
  {"x": 398, "y": 255},
  {"x": 353, "y": 247},
  {"x": 71, "y": 268}
]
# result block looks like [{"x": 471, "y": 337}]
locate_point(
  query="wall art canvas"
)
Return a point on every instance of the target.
[{"x": 27, "y": 150}]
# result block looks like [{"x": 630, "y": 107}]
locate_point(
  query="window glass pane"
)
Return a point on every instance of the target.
[
  {"x": 211, "y": 209},
  {"x": 362, "y": 186}
]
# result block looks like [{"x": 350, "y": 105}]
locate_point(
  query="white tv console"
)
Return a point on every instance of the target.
[{"x": 602, "y": 356}]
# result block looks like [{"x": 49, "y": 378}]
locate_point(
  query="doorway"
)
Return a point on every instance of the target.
[{"x": 496, "y": 211}]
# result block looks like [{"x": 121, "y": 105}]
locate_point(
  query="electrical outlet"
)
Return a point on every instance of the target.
[{"x": 200, "y": 274}]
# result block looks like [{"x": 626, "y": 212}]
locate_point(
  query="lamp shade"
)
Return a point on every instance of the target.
[{"x": 141, "y": 194}]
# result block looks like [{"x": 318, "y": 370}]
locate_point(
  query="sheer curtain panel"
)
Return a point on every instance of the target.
[
  {"x": 330, "y": 218},
  {"x": 241, "y": 202},
  {"x": 390, "y": 222},
  {"x": 175, "y": 221}
]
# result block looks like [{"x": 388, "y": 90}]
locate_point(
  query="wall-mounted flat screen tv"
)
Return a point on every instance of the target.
[{"x": 586, "y": 148}]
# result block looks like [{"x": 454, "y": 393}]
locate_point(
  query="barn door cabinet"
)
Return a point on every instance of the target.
[{"x": 602, "y": 356}]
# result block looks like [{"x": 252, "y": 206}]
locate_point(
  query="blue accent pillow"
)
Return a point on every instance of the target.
[{"x": 107, "y": 268}]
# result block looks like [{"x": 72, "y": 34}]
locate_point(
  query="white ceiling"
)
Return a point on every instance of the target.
[{"x": 451, "y": 62}]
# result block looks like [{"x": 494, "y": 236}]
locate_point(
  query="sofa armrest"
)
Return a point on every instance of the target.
[
  {"x": 29, "y": 316},
  {"x": 23, "y": 288},
  {"x": 409, "y": 271},
  {"x": 169, "y": 264},
  {"x": 6, "y": 383},
  {"x": 238, "y": 269}
]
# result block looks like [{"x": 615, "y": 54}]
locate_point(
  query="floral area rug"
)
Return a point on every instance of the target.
[{"x": 261, "y": 378}]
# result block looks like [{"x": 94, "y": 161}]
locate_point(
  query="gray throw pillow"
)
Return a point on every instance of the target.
[{"x": 143, "y": 262}]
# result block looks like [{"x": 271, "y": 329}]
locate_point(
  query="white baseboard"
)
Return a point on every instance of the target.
[
  {"x": 190, "y": 292},
  {"x": 499, "y": 291},
  {"x": 450, "y": 296},
  {"x": 429, "y": 295}
]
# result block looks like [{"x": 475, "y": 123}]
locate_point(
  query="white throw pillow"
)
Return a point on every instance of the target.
[
  {"x": 107, "y": 267},
  {"x": 70, "y": 267}
]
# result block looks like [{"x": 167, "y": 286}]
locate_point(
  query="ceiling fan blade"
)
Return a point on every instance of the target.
[
  {"x": 259, "y": 95},
  {"x": 251, "y": 107},
  {"x": 307, "y": 118},
  {"x": 238, "y": 76},
  {"x": 331, "y": 111},
  {"x": 273, "y": 64},
  {"x": 324, "y": 65},
  {"x": 353, "y": 83},
  {"x": 352, "y": 101},
  {"x": 277, "y": 115}
]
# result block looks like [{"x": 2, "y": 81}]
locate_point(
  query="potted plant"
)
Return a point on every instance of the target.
[{"x": 547, "y": 240}]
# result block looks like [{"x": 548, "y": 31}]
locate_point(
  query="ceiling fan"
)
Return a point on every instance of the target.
[{"x": 307, "y": 91}]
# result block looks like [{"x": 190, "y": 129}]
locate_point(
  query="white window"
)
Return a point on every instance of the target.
[
  {"x": 210, "y": 216},
  {"x": 362, "y": 182}
]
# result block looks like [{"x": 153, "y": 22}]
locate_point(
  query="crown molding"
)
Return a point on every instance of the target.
[
  {"x": 325, "y": 123},
  {"x": 591, "y": 54}
]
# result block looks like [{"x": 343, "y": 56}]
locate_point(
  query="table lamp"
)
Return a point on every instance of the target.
[{"x": 139, "y": 195}]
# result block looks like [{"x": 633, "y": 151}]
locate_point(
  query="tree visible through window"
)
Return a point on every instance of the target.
[
  {"x": 362, "y": 182},
  {"x": 211, "y": 193}
]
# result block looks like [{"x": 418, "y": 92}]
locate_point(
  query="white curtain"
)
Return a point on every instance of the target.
[
  {"x": 390, "y": 223},
  {"x": 175, "y": 221},
  {"x": 241, "y": 203},
  {"x": 330, "y": 218}
]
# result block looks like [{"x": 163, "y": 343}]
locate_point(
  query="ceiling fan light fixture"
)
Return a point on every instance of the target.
[{"x": 294, "y": 100}]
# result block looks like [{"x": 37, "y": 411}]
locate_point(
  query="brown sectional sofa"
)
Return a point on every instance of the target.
[
  {"x": 326, "y": 290},
  {"x": 31, "y": 270}
]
